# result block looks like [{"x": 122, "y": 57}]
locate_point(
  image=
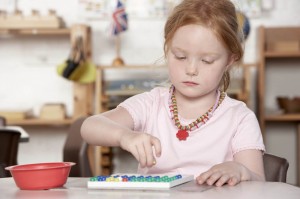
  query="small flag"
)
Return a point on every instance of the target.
[{"x": 119, "y": 19}]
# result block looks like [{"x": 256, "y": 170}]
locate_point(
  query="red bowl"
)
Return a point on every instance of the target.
[{"x": 41, "y": 175}]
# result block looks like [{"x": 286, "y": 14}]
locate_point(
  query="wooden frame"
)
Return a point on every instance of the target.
[{"x": 285, "y": 37}]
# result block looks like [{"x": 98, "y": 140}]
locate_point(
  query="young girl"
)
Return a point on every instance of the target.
[{"x": 193, "y": 127}]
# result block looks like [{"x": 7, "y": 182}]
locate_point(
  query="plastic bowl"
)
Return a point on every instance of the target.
[
  {"x": 289, "y": 105},
  {"x": 41, "y": 175}
]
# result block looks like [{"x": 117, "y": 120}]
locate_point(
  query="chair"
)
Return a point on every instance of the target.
[
  {"x": 9, "y": 144},
  {"x": 2, "y": 121},
  {"x": 76, "y": 150},
  {"x": 275, "y": 168}
]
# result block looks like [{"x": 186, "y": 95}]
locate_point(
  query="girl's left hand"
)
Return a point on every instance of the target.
[{"x": 231, "y": 173}]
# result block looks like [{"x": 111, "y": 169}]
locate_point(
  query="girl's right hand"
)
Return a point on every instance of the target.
[{"x": 141, "y": 146}]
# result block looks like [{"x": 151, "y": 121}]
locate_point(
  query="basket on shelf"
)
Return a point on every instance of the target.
[{"x": 289, "y": 105}]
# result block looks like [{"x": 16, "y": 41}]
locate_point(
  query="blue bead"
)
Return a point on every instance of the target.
[
  {"x": 179, "y": 176},
  {"x": 101, "y": 178}
]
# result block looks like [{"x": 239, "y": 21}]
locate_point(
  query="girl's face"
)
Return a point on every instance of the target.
[{"x": 196, "y": 61}]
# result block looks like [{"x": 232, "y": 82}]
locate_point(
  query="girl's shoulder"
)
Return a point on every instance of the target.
[
  {"x": 156, "y": 93},
  {"x": 231, "y": 104},
  {"x": 236, "y": 112}
]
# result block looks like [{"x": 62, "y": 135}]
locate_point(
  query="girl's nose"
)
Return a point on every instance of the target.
[{"x": 192, "y": 69}]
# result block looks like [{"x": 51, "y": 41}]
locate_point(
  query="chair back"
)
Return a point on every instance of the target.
[
  {"x": 275, "y": 168},
  {"x": 2, "y": 121},
  {"x": 9, "y": 145},
  {"x": 76, "y": 150}
]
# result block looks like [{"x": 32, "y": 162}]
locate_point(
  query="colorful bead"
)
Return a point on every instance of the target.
[{"x": 134, "y": 178}]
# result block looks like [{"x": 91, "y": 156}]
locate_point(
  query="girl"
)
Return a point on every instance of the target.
[{"x": 193, "y": 127}]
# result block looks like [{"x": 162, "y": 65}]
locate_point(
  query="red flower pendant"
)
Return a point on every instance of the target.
[{"x": 182, "y": 134}]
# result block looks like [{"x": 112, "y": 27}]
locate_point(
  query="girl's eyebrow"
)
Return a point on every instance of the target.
[
  {"x": 177, "y": 48},
  {"x": 184, "y": 51}
]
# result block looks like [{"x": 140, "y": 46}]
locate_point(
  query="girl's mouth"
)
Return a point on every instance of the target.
[{"x": 188, "y": 83}]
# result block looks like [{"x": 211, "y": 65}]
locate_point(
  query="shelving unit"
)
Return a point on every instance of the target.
[
  {"x": 82, "y": 93},
  {"x": 287, "y": 47},
  {"x": 44, "y": 31},
  {"x": 106, "y": 91}
]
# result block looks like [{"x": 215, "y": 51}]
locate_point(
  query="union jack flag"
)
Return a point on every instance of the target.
[{"x": 119, "y": 19}]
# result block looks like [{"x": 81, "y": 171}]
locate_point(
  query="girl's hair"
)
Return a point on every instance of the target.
[{"x": 217, "y": 15}]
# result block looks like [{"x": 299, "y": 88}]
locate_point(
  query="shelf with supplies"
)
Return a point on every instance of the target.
[
  {"x": 37, "y": 121},
  {"x": 125, "y": 81},
  {"x": 82, "y": 93},
  {"x": 271, "y": 54},
  {"x": 282, "y": 45},
  {"x": 37, "y": 31},
  {"x": 279, "y": 49},
  {"x": 283, "y": 117},
  {"x": 115, "y": 84}
]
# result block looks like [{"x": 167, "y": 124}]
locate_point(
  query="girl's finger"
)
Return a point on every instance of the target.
[
  {"x": 203, "y": 177},
  {"x": 149, "y": 154},
  {"x": 142, "y": 155},
  {"x": 157, "y": 146},
  {"x": 135, "y": 153},
  {"x": 213, "y": 178},
  {"x": 233, "y": 181},
  {"x": 222, "y": 180}
]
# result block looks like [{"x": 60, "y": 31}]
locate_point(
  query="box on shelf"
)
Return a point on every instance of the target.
[
  {"x": 35, "y": 20},
  {"x": 53, "y": 112},
  {"x": 284, "y": 46},
  {"x": 16, "y": 115}
]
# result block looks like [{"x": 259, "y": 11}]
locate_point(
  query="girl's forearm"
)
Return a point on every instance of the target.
[
  {"x": 256, "y": 177},
  {"x": 102, "y": 131},
  {"x": 248, "y": 175}
]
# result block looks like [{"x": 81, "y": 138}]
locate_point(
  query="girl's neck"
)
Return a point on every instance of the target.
[{"x": 191, "y": 108}]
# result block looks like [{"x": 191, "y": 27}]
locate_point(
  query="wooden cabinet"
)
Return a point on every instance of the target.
[
  {"x": 284, "y": 39},
  {"x": 278, "y": 48},
  {"x": 82, "y": 93}
]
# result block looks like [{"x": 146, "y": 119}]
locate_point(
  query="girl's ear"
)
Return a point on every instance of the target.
[{"x": 231, "y": 60}]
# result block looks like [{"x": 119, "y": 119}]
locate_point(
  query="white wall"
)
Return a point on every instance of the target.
[{"x": 28, "y": 78}]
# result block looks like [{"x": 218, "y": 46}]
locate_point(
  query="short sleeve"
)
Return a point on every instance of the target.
[
  {"x": 248, "y": 134},
  {"x": 139, "y": 107}
]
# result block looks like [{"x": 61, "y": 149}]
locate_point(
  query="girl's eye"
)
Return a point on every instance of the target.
[
  {"x": 180, "y": 57},
  {"x": 207, "y": 62}
]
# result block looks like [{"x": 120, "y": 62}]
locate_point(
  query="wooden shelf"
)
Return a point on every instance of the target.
[
  {"x": 284, "y": 38},
  {"x": 50, "y": 31},
  {"x": 276, "y": 43},
  {"x": 82, "y": 93},
  {"x": 283, "y": 118},
  {"x": 282, "y": 54},
  {"x": 37, "y": 121}
]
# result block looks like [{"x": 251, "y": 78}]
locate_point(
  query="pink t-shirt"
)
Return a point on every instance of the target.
[{"x": 232, "y": 128}]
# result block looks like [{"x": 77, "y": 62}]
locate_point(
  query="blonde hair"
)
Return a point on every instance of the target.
[{"x": 218, "y": 15}]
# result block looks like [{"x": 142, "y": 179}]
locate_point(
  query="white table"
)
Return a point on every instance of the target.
[
  {"x": 24, "y": 135},
  {"x": 76, "y": 188}
]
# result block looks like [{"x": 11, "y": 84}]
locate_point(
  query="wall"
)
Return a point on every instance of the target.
[{"x": 28, "y": 78}]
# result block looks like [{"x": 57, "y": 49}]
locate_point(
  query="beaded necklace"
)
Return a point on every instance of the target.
[{"x": 182, "y": 133}]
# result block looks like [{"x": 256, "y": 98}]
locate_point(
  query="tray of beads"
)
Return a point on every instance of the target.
[{"x": 137, "y": 181}]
